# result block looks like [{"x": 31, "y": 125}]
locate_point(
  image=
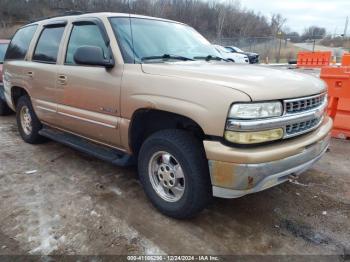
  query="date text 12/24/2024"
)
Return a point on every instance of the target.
[{"x": 173, "y": 258}]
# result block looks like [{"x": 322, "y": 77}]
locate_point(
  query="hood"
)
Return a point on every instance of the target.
[
  {"x": 241, "y": 55},
  {"x": 249, "y": 53},
  {"x": 259, "y": 82}
]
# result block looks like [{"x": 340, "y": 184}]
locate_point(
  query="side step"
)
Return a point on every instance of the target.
[{"x": 111, "y": 155}]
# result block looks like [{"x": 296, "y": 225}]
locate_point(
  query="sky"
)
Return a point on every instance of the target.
[{"x": 330, "y": 14}]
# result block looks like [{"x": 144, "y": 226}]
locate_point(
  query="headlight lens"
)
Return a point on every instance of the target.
[
  {"x": 254, "y": 137},
  {"x": 256, "y": 110}
]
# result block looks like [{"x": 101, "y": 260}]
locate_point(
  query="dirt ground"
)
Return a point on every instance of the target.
[{"x": 55, "y": 200}]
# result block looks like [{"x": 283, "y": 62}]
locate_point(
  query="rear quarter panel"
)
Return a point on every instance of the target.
[{"x": 13, "y": 72}]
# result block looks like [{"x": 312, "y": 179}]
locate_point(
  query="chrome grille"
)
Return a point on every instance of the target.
[
  {"x": 302, "y": 127},
  {"x": 300, "y": 116},
  {"x": 303, "y": 104}
]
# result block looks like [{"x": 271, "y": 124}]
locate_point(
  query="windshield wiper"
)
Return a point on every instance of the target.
[
  {"x": 167, "y": 56},
  {"x": 210, "y": 58}
]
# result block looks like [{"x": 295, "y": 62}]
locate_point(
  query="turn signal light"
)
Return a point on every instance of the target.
[{"x": 254, "y": 137}]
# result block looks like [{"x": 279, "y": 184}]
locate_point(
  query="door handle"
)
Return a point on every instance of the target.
[
  {"x": 30, "y": 74},
  {"x": 62, "y": 79}
]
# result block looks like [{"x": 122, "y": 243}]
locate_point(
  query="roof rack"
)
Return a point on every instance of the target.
[{"x": 66, "y": 13}]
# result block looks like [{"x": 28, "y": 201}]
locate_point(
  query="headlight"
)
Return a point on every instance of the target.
[
  {"x": 254, "y": 137},
  {"x": 256, "y": 110}
]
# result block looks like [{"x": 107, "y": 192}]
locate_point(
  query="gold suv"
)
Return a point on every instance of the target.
[{"x": 140, "y": 90}]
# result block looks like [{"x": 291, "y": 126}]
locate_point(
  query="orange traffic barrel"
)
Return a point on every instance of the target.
[
  {"x": 345, "y": 61},
  {"x": 338, "y": 81}
]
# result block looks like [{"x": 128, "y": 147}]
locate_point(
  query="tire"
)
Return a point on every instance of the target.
[
  {"x": 29, "y": 135},
  {"x": 188, "y": 152},
  {"x": 4, "y": 108}
]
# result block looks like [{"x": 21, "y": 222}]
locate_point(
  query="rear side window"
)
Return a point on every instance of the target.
[
  {"x": 19, "y": 45},
  {"x": 48, "y": 44},
  {"x": 85, "y": 35}
]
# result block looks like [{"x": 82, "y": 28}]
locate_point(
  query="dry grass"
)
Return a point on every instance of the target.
[
  {"x": 336, "y": 42},
  {"x": 270, "y": 51}
]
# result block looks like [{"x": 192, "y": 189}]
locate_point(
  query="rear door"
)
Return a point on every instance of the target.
[
  {"x": 89, "y": 95},
  {"x": 41, "y": 71}
]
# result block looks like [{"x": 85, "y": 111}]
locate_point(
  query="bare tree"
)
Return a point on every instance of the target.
[{"x": 212, "y": 18}]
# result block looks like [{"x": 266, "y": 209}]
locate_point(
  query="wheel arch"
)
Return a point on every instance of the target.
[
  {"x": 16, "y": 93},
  {"x": 145, "y": 122}
]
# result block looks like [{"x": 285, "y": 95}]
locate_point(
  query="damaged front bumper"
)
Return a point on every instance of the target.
[{"x": 232, "y": 180}]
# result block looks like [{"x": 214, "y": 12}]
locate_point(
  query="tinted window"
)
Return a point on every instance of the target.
[
  {"x": 122, "y": 29},
  {"x": 20, "y": 43},
  {"x": 48, "y": 45},
  {"x": 3, "y": 48},
  {"x": 156, "y": 38},
  {"x": 85, "y": 35}
]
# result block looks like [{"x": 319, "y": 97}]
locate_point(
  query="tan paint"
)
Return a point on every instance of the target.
[{"x": 99, "y": 103}]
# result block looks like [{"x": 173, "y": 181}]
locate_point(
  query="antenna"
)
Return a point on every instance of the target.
[{"x": 129, "y": 5}]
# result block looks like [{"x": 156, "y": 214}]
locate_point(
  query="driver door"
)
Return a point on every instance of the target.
[{"x": 89, "y": 103}]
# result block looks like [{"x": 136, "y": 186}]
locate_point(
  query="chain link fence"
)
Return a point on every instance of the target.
[
  {"x": 281, "y": 50},
  {"x": 271, "y": 49}
]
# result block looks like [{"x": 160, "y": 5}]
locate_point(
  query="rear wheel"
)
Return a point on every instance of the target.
[
  {"x": 27, "y": 121},
  {"x": 174, "y": 173}
]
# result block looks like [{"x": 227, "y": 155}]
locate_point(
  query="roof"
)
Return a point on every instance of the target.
[{"x": 74, "y": 16}]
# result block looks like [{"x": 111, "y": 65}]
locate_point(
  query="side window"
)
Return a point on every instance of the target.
[
  {"x": 48, "y": 44},
  {"x": 85, "y": 35},
  {"x": 19, "y": 45}
]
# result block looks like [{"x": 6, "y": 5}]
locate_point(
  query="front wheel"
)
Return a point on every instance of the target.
[{"x": 174, "y": 172}]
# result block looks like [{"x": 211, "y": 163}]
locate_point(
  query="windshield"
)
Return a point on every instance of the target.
[
  {"x": 222, "y": 49},
  {"x": 156, "y": 40},
  {"x": 3, "y": 48},
  {"x": 238, "y": 50}
]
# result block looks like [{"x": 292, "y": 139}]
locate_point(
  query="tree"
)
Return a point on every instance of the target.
[
  {"x": 212, "y": 18},
  {"x": 313, "y": 32},
  {"x": 277, "y": 22},
  {"x": 294, "y": 37}
]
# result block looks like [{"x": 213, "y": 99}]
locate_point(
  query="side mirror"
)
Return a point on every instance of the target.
[{"x": 91, "y": 55}]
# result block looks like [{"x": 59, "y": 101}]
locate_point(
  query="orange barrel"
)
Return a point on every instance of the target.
[
  {"x": 345, "y": 61},
  {"x": 338, "y": 81}
]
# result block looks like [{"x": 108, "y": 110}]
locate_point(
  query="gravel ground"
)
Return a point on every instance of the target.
[{"x": 55, "y": 200}]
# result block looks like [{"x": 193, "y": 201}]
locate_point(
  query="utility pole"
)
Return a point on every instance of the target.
[
  {"x": 346, "y": 26},
  {"x": 279, "y": 49}
]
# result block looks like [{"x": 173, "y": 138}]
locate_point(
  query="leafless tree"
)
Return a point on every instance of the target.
[{"x": 211, "y": 18}]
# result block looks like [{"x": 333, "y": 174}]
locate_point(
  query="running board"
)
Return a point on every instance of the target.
[{"x": 114, "y": 156}]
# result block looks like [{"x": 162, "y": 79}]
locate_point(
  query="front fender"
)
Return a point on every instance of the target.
[{"x": 204, "y": 102}]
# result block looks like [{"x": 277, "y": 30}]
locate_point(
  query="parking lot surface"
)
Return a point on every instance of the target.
[{"x": 55, "y": 200}]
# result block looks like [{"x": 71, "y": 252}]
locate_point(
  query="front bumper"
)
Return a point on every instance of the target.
[
  {"x": 253, "y": 59},
  {"x": 238, "y": 172}
]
